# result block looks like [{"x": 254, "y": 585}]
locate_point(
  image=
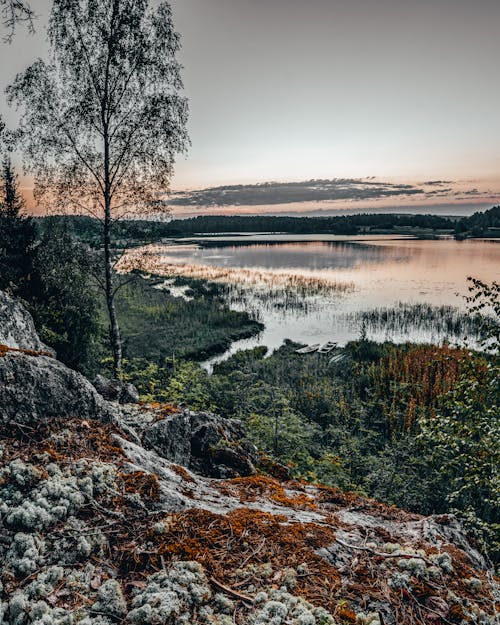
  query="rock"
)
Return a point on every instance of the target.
[
  {"x": 116, "y": 390},
  {"x": 205, "y": 443},
  {"x": 38, "y": 388},
  {"x": 171, "y": 438},
  {"x": 17, "y": 329}
]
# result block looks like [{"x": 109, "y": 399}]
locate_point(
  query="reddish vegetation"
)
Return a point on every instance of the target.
[
  {"x": 416, "y": 380},
  {"x": 181, "y": 471},
  {"x": 162, "y": 410},
  {"x": 5, "y": 349},
  {"x": 84, "y": 440},
  {"x": 261, "y": 487},
  {"x": 144, "y": 484},
  {"x": 225, "y": 543},
  {"x": 269, "y": 466},
  {"x": 231, "y": 545}
]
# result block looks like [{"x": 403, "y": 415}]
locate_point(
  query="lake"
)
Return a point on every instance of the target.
[{"x": 314, "y": 289}]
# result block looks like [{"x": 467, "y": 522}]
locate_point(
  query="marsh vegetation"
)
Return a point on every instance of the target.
[{"x": 317, "y": 291}]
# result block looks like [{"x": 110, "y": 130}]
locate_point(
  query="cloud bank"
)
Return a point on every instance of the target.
[
  {"x": 290, "y": 192},
  {"x": 335, "y": 190}
]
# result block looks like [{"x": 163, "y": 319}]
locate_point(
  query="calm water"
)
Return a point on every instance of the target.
[{"x": 378, "y": 273}]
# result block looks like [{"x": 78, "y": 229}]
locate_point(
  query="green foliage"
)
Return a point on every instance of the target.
[
  {"x": 62, "y": 300},
  {"x": 12, "y": 202},
  {"x": 462, "y": 443},
  {"x": 189, "y": 384},
  {"x": 88, "y": 229},
  {"x": 139, "y": 231},
  {"x": 480, "y": 222},
  {"x": 159, "y": 326},
  {"x": 149, "y": 378},
  {"x": 17, "y": 235},
  {"x": 484, "y": 300},
  {"x": 406, "y": 424}
]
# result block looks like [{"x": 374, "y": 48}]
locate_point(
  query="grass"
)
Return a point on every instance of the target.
[
  {"x": 405, "y": 318},
  {"x": 150, "y": 260},
  {"x": 156, "y": 325}
]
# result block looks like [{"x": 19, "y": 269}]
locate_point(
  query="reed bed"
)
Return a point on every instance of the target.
[
  {"x": 404, "y": 318},
  {"x": 285, "y": 285}
]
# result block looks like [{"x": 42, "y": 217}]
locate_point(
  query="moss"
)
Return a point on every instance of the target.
[
  {"x": 59, "y": 574},
  {"x": 261, "y": 487},
  {"x": 5, "y": 349}
]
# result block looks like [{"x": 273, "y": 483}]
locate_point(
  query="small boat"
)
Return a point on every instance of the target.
[
  {"x": 309, "y": 349},
  {"x": 327, "y": 347}
]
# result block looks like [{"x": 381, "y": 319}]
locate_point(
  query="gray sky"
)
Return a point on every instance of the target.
[{"x": 404, "y": 90}]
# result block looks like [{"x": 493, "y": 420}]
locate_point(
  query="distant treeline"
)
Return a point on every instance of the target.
[
  {"x": 345, "y": 224},
  {"x": 478, "y": 224},
  {"x": 89, "y": 230}
]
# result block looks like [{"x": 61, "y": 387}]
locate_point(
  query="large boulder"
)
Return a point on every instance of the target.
[
  {"x": 34, "y": 388},
  {"x": 116, "y": 390},
  {"x": 207, "y": 444},
  {"x": 17, "y": 329}
]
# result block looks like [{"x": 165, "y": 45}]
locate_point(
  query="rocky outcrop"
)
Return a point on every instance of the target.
[
  {"x": 95, "y": 529},
  {"x": 17, "y": 329},
  {"x": 116, "y": 390},
  {"x": 205, "y": 443},
  {"x": 36, "y": 388}
]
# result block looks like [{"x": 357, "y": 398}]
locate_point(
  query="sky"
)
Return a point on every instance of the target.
[{"x": 403, "y": 92}]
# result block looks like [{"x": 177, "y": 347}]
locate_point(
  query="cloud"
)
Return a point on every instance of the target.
[
  {"x": 436, "y": 183},
  {"x": 269, "y": 193}
]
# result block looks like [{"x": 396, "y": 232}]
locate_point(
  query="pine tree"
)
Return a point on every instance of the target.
[
  {"x": 17, "y": 235},
  {"x": 12, "y": 202}
]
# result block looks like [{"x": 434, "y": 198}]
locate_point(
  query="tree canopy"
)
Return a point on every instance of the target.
[
  {"x": 14, "y": 12},
  {"x": 103, "y": 120}
]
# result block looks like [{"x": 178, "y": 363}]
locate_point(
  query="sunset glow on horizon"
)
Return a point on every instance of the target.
[{"x": 289, "y": 91}]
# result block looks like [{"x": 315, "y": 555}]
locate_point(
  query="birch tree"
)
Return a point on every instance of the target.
[
  {"x": 103, "y": 120},
  {"x": 13, "y": 12}
]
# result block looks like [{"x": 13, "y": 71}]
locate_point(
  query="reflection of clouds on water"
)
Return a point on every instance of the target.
[{"x": 311, "y": 256}]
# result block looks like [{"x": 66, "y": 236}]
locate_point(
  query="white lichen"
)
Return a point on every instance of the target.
[
  {"x": 25, "y": 555},
  {"x": 372, "y": 618},
  {"x": 170, "y": 596},
  {"x": 110, "y": 600},
  {"x": 443, "y": 560},
  {"x": 282, "y": 608}
]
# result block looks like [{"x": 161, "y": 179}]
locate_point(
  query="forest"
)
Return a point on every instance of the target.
[{"x": 87, "y": 229}]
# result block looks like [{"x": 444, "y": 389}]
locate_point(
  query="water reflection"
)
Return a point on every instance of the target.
[
  {"x": 320, "y": 290},
  {"x": 312, "y": 256}
]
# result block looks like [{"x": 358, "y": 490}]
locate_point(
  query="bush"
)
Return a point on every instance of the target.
[{"x": 63, "y": 301}]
